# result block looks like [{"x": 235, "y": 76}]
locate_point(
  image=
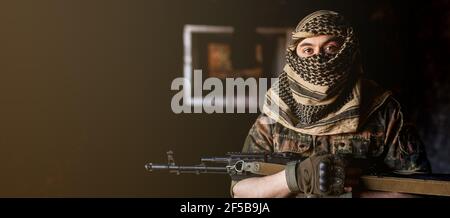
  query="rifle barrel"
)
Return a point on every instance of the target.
[
  {"x": 215, "y": 159},
  {"x": 186, "y": 169}
]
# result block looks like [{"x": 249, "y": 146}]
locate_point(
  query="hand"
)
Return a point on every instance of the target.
[{"x": 317, "y": 175}]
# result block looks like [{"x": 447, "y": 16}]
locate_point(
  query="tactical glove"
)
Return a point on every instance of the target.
[{"x": 317, "y": 175}]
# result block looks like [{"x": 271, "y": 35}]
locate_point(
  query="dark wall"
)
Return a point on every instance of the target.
[{"x": 85, "y": 88}]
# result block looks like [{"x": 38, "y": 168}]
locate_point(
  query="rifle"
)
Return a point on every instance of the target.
[
  {"x": 236, "y": 164},
  {"x": 245, "y": 165}
]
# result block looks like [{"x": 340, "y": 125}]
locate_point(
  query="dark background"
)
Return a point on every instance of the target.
[{"x": 85, "y": 88}]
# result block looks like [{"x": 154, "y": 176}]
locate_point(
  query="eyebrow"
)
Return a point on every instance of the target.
[
  {"x": 305, "y": 44},
  {"x": 334, "y": 38}
]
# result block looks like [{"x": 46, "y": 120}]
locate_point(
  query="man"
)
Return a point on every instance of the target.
[{"x": 323, "y": 109}]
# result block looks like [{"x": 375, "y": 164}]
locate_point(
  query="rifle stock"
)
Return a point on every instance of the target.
[{"x": 422, "y": 184}]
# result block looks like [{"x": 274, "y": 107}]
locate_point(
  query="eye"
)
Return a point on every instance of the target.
[
  {"x": 332, "y": 48},
  {"x": 308, "y": 51}
]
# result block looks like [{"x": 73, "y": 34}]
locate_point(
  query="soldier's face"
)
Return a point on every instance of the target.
[{"x": 318, "y": 44}]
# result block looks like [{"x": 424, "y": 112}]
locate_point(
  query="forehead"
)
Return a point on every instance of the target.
[{"x": 317, "y": 40}]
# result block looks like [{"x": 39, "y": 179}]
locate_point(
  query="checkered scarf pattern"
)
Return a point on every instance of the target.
[{"x": 321, "y": 90}]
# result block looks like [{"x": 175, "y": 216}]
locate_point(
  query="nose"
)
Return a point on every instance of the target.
[{"x": 317, "y": 50}]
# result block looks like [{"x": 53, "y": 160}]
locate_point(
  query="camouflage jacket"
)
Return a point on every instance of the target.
[{"x": 385, "y": 141}]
